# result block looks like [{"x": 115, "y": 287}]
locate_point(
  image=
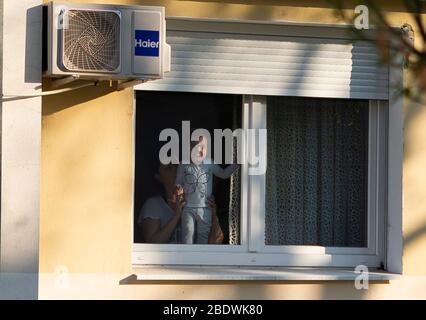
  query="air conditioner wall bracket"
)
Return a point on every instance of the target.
[
  {"x": 58, "y": 82},
  {"x": 121, "y": 85}
]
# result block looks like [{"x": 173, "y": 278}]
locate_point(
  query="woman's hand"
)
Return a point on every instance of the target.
[
  {"x": 177, "y": 201},
  {"x": 179, "y": 207},
  {"x": 179, "y": 191},
  {"x": 216, "y": 234}
]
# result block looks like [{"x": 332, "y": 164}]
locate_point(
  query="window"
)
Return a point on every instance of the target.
[{"x": 321, "y": 201}]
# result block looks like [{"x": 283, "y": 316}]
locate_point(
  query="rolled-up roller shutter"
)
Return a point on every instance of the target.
[{"x": 259, "y": 64}]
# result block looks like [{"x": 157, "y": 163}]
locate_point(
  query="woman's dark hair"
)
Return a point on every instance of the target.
[{"x": 157, "y": 188}]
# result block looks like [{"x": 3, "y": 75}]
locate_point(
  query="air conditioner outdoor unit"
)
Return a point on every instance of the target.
[{"x": 96, "y": 41}]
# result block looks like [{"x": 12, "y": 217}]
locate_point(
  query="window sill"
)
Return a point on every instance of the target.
[{"x": 200, "y": 273}]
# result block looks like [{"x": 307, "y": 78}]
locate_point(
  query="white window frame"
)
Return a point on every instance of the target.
[
  {"x": 385, "y": 229},
  {"x": 252, "y": 251}
]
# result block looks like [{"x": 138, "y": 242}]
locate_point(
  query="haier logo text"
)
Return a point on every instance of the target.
[{"x": 147, "y": 43}]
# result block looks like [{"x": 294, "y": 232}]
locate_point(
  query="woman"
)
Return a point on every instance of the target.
[{"x": 160, "y": 215}]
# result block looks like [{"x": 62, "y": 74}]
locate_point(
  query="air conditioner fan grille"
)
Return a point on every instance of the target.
[{"x": 91, "y": 41}]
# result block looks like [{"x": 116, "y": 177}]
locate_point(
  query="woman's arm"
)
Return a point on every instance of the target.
[
  {"x": 216, "y": 234},
  {"x": 154, "y": 233}
]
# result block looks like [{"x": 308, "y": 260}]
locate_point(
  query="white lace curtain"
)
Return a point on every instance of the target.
[
  {"x": 316, "y": 180},
  {"x": 234, "y": 195}
]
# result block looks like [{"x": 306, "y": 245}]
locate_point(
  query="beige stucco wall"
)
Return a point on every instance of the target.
[{"x": 86, "y": 177}]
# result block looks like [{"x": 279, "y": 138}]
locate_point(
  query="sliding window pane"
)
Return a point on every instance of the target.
[{"x": 317, "y": 172}]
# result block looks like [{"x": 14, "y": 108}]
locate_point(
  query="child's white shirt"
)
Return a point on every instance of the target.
[{"x": 197, "y": 180}]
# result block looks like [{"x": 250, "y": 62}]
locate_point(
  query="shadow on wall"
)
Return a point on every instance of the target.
[
  {"x": 412, "y": 110},
  {"x": 56, "y": 103},
  {"x": 392, "y": 7},
  {"x": 260, "y": 290},
  {"x": 289, "y": 3},
  {"x": 414, "y": 235}
]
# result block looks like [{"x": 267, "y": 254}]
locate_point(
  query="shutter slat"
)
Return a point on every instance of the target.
[
  {"x": 312, "y": 72},
  {"x": 266, "y": 41},
  {"x": 282, "y": 66},
  {"x": 267, "y": 84},
  {"x": 177, "y": 76},
  {"x": 287, "y": 47},
  {"x": 295, "y": 60}
]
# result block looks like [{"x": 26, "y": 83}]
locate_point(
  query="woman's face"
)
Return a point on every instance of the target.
[{"x": 167, "y": 175}]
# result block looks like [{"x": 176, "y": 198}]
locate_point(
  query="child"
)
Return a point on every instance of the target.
[{"x": 196, "y": 179}]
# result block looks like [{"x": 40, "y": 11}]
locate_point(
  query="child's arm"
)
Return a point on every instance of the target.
[{"x": 224, "y": 173}]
